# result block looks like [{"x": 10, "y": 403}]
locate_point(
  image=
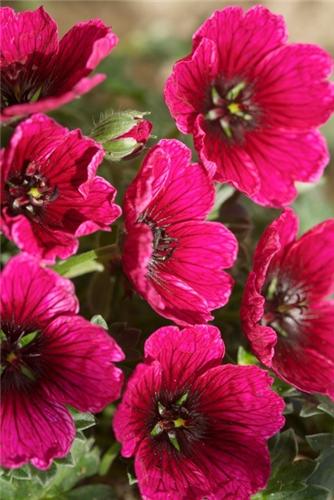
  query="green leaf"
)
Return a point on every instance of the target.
[
  {"x": 132, "y": 480},
  {"x": 23, "y": 473},
  {"x": 320, "y": 442},
  {"x": 108, "y": 458},
  {"x": 245, "y": 358},
  {"x": 82, "y": 420},
  {"x": 99, "y": 320},
  {"x": 323, "y": 475},
  {"x": 326, "y": 405},
  {"x": 289, "y": 475},
  {"x": 87, "y": 262},
  {"x": 283, "y": 450},
  {"x": 92, "y": 492}
]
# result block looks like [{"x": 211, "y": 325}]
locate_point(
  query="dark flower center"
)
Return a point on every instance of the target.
[
  {"x": 20, "y": 83},
  {"x": 176, "y": 422},
  {"x": 285, "y": 307},
  {"x": 29, "y": 192},
  {"x": 163, "y": 244},
  {"x": 20, "y": 357},
  {"x": 231, "y": 109}
]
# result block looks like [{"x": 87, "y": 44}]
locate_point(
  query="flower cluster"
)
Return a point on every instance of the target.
[{"x": 197, "y": 428}]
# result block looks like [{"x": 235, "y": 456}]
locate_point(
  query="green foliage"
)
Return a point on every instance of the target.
[{"x": 30, "y": 483}]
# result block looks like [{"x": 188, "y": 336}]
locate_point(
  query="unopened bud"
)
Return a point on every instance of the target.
[{"x": 122, "y": 135}]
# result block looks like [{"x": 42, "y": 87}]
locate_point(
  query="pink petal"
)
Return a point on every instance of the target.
[
  {"x": 176, "y": 201},
  {"x": 167, "y": 476},
  {"x": 187, "y": 87},
  {"x": 308, "y": 361},
  {"x": 98, "y": 209},
  {"x": 23, "y": 27},
  {"x": 292, "y": 87},
  {"x": 30, "y": 292},
  {"x": 293, "y": 155},
  {"x": 165, "y": 177},
  {"x": 269, "y": 251},
  {"x": 137, "y": 403},
  {"x": 45, "y": 104},
  {"x": 236, "y": 451},
  {"x": 184, "y": 354},
  {"x": 31, "y": 140},
  {"x": 310, "y": 261},
  {"x": 80, "y": 51},
  {"x": 178, "y": 301},
  {"x": 73, "y": 163},
  {"x": 79, "y": 360},
  {"x": 33, "y": 429},
  {"x": 226, "y": 163},
  {"x": 242, "y": 38},
  {"x": 205, "y": 272},
  {"x": 41, "y": 241}
]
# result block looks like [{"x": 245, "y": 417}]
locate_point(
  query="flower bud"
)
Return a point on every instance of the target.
[{"x": 122, "y": 134}]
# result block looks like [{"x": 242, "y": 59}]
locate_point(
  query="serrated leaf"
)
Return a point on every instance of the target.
[
  {"x": 82, "y": 420},
  {"x": 326, "y": 405},
  {"x": 99, "y": 320},
  {"x": 320, "y": 442},
  {"x": 323, "y": 475},
  {"x": 23, "y": 473},
  {"x": 283, "y": 450}
]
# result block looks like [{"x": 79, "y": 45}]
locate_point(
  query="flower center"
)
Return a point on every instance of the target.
[
  {"x": 29, "y": 192},
  {"x": 231, "y": 109},
  {"x": 19, "y": 84},
  {"x": 163, "y": 244},
  {"x": 285, "y": 307},
  {"x": 20, "y": 357},
  {"x": 176, "y": 422}
]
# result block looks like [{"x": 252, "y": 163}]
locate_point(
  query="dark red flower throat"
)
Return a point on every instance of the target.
[
  {"x": 231, "y": 109},
  {"x": 29, "y": 191},
  {"x": 176, "y": 422}
]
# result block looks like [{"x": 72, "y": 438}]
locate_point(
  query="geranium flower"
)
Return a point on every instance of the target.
[
  {"x": 285, "y": 313},
  {"x": 172, "y": 256},
  {"x": 197, "y": 429},
  {"x": 50, "y": 357},
  {"x": 50, "y": 194},
  {"x": 253, "y": 103},
  {"x": 40, "y": 73}
]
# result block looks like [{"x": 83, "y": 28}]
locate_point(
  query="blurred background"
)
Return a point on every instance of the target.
[{"x": 153, "y": 35}]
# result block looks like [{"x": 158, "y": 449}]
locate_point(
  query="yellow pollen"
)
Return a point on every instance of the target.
[
  {"x": 234, "y": 108},
  {"x": 179, "y": 422},
  {"x": 34, "y": 193},
  {"x": 11, "y": 357}
]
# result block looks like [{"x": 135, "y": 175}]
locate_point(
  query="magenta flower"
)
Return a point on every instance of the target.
[
  {"x": 253, "y": 103},
  {"x": 197, "y": 428},
  {"x": 285, "y": 314},
  {"x": 50, "y": 357},
  {"x": 172, "y": 256},
  {"x": 50, "y": 193},
  {"x": 40, "y": 73}
]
